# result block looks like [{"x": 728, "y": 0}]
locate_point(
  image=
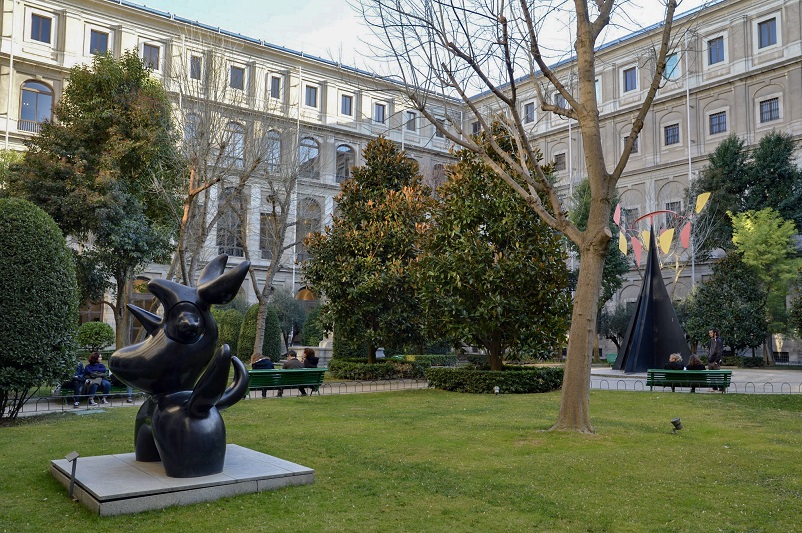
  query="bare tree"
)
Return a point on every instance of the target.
[
  {"x": 458, "y": 48},
  {"x": 240, "y": 143}
]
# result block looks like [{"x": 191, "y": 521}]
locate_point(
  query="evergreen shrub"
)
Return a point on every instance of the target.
[
  {"x": 271, "y": 347},
  {"x": 94, "y": 336},
  {"x": 228, "y": 330},
  {"x": 511, "y": 380}
]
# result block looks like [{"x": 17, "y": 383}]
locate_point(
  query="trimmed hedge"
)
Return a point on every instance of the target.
[
  {"x": 361, "y": 370},
  {"x": 433, "y": 359},
  {"x": 511, "y": 380}
]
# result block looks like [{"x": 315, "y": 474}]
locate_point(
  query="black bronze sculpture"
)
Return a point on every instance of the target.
[
  {"x": 179, "y": 423},
  {"x": 654, "y": 331}
]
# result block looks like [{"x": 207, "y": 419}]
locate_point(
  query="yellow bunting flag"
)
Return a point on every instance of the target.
[
  {"x": 701, "y": 201},
  {"x": 622, "y": 242},
  {"x": 665, "y": 240},
  {"x": 645, "y": 238}
]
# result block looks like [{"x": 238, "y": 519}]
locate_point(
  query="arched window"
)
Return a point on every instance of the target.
[
  {"x": 345, "y": 161},
  {"x": 309, "y": 159},
  {"x": 272, "y": 151},
  {"x": 309, "y": 216},
  {"x": 36, "y": 106},
  {"x": 234, "y": 144},
  {"x": 230, "y": 229}
]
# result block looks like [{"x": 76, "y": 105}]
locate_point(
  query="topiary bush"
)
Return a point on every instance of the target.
[
  {"x": 361, "y": 370},
  {"x": 38, "y": 304},
  {"x": 511, "y": 380},
  {"x": 228, "y": 330},
  {"x": 94, "y": 336},
  {"x": 271, "y": 346}
]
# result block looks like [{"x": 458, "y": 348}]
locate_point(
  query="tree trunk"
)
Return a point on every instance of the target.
[
  {"x": 575, "y": 401},
  {"x": 494, "y": 355},
  {"x": 372, "y": 354}
]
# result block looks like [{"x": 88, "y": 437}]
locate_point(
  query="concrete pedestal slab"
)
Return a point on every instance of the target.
[{"x": 119, "y": 484}]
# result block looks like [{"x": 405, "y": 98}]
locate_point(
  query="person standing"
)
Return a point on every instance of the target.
[{"x": 714, "y": 351}]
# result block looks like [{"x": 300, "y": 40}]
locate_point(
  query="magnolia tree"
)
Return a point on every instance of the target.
[{"x": 459, "y": 48}]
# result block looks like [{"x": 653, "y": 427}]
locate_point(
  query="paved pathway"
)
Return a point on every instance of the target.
[{"x": 775, "y": 380}]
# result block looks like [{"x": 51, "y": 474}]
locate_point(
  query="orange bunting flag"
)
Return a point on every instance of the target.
[
  {"x": 622, "y": 243},
  {"x": 617, "y": 216},
  {"x": 685, "y": 235},
  {"x": 637, "y": 248},
  {"x": 701, "y": 201},
  {"x": 665, "y": 239}
]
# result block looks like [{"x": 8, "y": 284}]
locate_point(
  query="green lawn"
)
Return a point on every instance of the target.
[{"x": 429, "y": 460}]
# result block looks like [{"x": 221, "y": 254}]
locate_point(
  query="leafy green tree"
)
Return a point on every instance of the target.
[
  {"x": 774, "y": 179},
  {"x": 613, "y": 324},
  {"x": 107, "y": 170},
  {"x": 38, "y": 303},
  {"x": 313, "y": 331},
  {"x": 740, "y": 181},
  {"x": 362, "y": 262},
  {"x": 732, "y": 300},
  {"x": 271, "y": 347},
  {"x": 492, "y": 272},
  {"x": 765, "y": 242},
  {"x": 795, "y": 314},
  {"x": 94, "y": 336},
  {"x": 8, "y": 158},
  {"x": 726, "y": 176},
  {"x": 291, "y": 313}
]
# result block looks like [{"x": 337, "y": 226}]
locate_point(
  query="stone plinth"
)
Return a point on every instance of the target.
[{"x": 119, "y": 484}]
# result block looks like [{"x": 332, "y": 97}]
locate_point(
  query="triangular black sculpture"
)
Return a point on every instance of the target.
[{"x": 654, "y": 332}]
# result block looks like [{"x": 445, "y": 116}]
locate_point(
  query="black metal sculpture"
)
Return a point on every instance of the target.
[
  {"x": 654, "y": 331},
  {"x": 179, "y": 423}
]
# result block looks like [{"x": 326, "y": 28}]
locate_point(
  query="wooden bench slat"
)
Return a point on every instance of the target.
[{"x": 278, "y": 378}]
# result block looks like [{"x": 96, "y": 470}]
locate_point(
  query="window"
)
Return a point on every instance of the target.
[
  {"x": 229, "y": 226},
  {"x": 672, "y": 67},
  {"x": 715, "y": 50},
  {"x": 37, "y": 104},
  {"x": 559, "y": 100},
  {"x": 438, "y": 176},
  {"x": 272, "y": 148},
  {"x": 529, "y": 112},
  {"x": 275, "y": 87},
  {"x": 718, "y": 122},
  {"x": 475, "y": 127},
  {"x": 598, "y": 91},
  {"x": 559, "y": 162},
  {"x": 309, "y": 159},
  {"x": 150, "y": 55},
  {"x": 671, "y": 134},
  {"x": 634, "y": 145},
  {"x": 411, "y": 123},
  {"x": 268, "y": 226},
  {"x": 346, "y": 158},
  {"x": 195, "y": 63},
  {"x": 237, "y": 78},
  {"x": 770, "y": 110},
  {"x": 379, "y": 113},
  {"x": 767, "y": 33},
  {"x": 98, "y": 42},
  {"x": 234, "y": 144},
  {"x": 311, "y": 96},
  {"x": 347, "y": 105},
  {"x": 309, "y": 215},
  {"x": 630, "y": 79},
  {"x": 438, "y": 131},
  {"x": 40, "y": 28},
  {"x": 673, "y": 218}
]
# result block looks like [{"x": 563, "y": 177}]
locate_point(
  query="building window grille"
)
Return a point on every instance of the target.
[
  {"x": 770, "y": 110},
  {"x": 718, "y": 122},
  {"x": 671, "y": 134}
]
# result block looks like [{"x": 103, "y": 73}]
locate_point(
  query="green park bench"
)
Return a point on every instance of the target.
[
  {"x": 689, "y": 378},
  {"x": 277, "y": 379}
]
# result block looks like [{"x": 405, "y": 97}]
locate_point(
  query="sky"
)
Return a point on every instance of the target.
[{"x": 329, "y": 29}]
